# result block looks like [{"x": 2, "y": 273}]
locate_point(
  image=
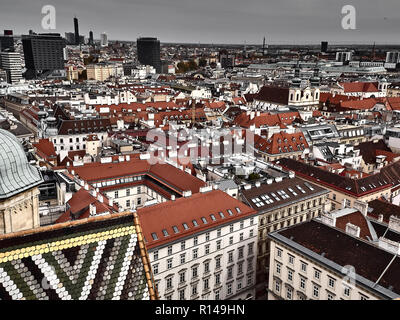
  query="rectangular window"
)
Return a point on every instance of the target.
[
  {"x": 206, "y": 284},
  {"x": 128, "y": 203},
  {"x": 316, "y": 291},
  {"x": 218, "y": 244},
  {"x": 195, "y": 241},
  {"x": 207, "y": 249},
  {"x": 169, "y": 282},
  {"x": 182, "y": 294},
  {"x": 279, "y": 252},
  {"x": 195, "y": 253},
  {"x": 303, "y": 283},
  {"x": 183, "y": 258},
  {"x": 218, "y": 232},
  {"x": 317, "y": 274},
  {"x": 229, "y": 289},
  {"x": 218, "y": 279},
  {"x": 128, "y": 192},
  {"x": 230, "y": 257},
  {"x": 290, "y": 275},
  {"x": 230, "y": 240},
  {"x": 230, "y": 272},
  {"x": 231, "y": 228},
  {"x": 155, "y": 268},
  {"x": 183, "y": 243},
  {"x": 206, "y": 267},
  {"x": 278, "y": 268},
  {"x": 331, "y": 282},
  {"x": 249, "y": 279},
  {"x": 289, "y": 293},
  {"x": 240, "y": 268},
  {"x": 207, "y": 236},
  {"x": 169, "y": 264},
  {"x": 240, "y": 253},
  {"x": 194, "y": 272},
  {"x": 241, "y": 237},
  {"x": 169, "y": 250},
  {"x": 217, "y": 262},
  {"x": 182, "y": 277},
  {"x": 155, "y": 255},
  {"x": 291, "y": 259},
  {"x": 251, "y": 247},
  {"x": 194, "y": 289},
  {"x": 303, "y": 267}
]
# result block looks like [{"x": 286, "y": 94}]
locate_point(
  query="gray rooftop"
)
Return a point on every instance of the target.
[{"x": 16, "y": 174}]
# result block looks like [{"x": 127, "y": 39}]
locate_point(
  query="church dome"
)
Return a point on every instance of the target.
[{"x": 16, "y": 174}]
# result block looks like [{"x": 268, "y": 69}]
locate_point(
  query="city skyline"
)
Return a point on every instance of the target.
[{"x": 219, "y": 22}]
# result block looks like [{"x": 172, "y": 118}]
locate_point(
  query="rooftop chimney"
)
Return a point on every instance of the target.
[
  {"x": 187, "y": 193},
  {"x": 353, "y": 230}
]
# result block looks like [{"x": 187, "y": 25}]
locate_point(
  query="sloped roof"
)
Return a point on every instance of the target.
[
  {"x": 164, "y": 216},
  {"x": 16, "y": 174},
  {"x": 100, "y": 258}
]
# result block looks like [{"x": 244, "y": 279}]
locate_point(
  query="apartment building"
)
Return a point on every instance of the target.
[
  {"x": 344, "y": 191},
  {"x": 308, "y": 261},
  {"x": 202, "y": 247},
  {"x": 132, "y": 182},
  {"x": 280, "y": 205}
]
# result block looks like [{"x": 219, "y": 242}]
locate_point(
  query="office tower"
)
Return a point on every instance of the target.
[
  {"x": 148, "y": 52},
  {"x": 103, "y": 40},
  {"x": 43, "y": 52},
  {"x": 343, "y": 56},
  {"x": 11, "y": 63},
  {"x": 226, "y": 59},
  {"x": 324, "y": 46},
  {"x": 393, "y": 57},
  {"x": 70, "y": 37},
  {"x": 7, "y": 41},
  {"x": 76, "y": 28},
  {"x": 91, "y": 41}
]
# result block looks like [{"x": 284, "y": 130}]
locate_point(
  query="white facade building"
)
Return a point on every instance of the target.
[{"x": 207, "y": 253}]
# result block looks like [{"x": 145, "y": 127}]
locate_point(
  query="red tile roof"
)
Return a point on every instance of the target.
[
  {"x": 162, "y": 216},
  {"x": 360, "y": 86},
  {"x": 45, "y": 149},
  {"x": 280, "y": 143},
  {"x": 166, "y": 174},
  {"x": 357, "y": 219}
]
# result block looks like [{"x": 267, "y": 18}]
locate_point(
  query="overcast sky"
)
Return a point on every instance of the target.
[{"x": 213, "y": 21}]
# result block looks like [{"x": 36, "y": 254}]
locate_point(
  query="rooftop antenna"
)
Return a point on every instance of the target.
[{"x": 263, "y": 48}]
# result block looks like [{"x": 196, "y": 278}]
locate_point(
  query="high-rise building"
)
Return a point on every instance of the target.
[
  {"x": 343, "y": 56},
  {"x": 11, "y": 63},
  {"x": 91, "y": 40},
  {"x": 70, "y": 37},
  {"x": 393, "y": 57},
  {"x": 226, "y": 59},
  {"x": 7, "y": 41},
  {"x": 76, "y": 28},
  {"x": 148, "y": 52},
  {"x": 103, "y": 40},
  {"x": 324, "y": 46},
  {"x": 43, "y": 52}
]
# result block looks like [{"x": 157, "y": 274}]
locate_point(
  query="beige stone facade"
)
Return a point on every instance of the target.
[{"x": 20, "y": 212}]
